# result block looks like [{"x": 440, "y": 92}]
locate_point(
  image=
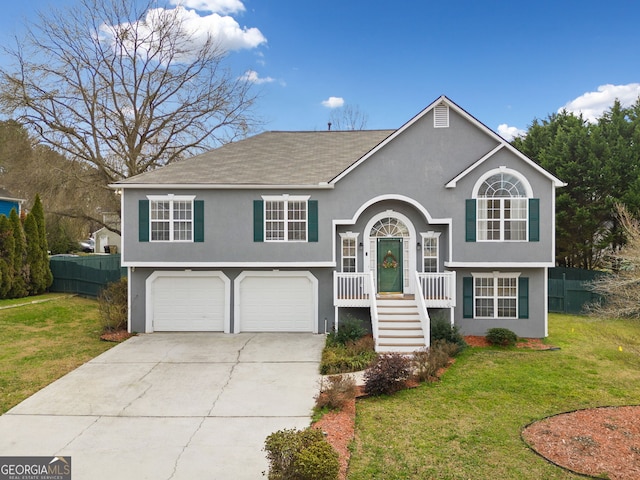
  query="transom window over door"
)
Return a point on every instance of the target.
[{"x": 502, "y": 208}]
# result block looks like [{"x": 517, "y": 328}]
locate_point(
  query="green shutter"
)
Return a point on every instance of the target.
[
  {"x": 198, "y": 221},
  {"x": 470, "y": 222},
  {"x": 523, "y": 297},
  {"x": 534, "y": 219},
  {"x": 143, "y": 220},
  {"x": 312, "y": 205},
  {"x": 467, "y": 297},
  {"x": 258, "y": 221}
]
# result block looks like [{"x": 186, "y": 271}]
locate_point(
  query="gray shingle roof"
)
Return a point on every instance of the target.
[{"x": 271, "y": 158}]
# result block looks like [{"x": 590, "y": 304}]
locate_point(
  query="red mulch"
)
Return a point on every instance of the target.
[{"x": 115, "y": 336}]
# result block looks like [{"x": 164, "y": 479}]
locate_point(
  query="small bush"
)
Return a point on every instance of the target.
[
  {"x": 113, "y": 306},
  {"x": 301, "y": 455},
  {"x": 387, "y": 375},
  {"x": 428, "y": 361},
  {"x": 349, "y": 330},
  {"x": 441, "y": 329},
  {"x": 336, "y": 392},
  {"x": 351, "y": 357},
  {"x": 501, "y": 336}
]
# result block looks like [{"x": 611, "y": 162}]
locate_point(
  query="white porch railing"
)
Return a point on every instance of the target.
[
  {"x": 425, "y": 322},
  {"x": 374, "y": 309},
  {"x": 352, "y": 289},
  {"x": 358, "y": 289},
  {"x": 438, "y": 289}
]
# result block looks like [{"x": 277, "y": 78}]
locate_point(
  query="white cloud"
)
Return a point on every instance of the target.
[
  {"x": 217, "y": 6},
  {"x": 333, "y": 102},
  {"x": 593, "y": 104},
  {"x": 253, "y": 77},
  {"x": 509, "y": 133},
  {"x": 223, "y": 29}
]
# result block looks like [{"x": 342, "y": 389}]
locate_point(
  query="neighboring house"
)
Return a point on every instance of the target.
[
  {"x": 8, "y": 202},
  {"x": 106, "y": 241},
  {"x": 292, "y": 231}
]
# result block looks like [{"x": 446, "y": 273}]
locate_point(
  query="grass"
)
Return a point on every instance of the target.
[
  {"x": 467, "y": 426},
  {"x": 40, "y": 342}
]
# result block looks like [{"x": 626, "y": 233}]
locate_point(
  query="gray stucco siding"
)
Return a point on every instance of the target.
[
  {"x": 532, "y": 327},
  {"x": 138, "y": 278}
]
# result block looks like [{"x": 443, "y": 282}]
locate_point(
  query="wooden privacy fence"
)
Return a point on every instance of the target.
[
  {"x": 569, "y": 290},
  {"x": 85, "y": 275}
]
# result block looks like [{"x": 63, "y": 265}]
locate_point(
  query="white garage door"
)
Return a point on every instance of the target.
[
  {"x": 188, "y": 303},
  {"x": 277, "y": 302}
]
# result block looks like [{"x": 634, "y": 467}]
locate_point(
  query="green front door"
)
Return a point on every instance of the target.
[{"x": 389, "y": 265}]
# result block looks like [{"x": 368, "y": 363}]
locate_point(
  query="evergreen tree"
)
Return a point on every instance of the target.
[
  {"x": 19, "y": 287},
  {"x": 37, "y": 274},
  {"x": 7, "y": 252},
  {"x": 38, "y": 214}
]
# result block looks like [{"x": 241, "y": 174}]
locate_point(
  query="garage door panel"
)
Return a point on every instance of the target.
[
  {"x": 277, "y": 304},
  {"x": 184, "y": 303}
]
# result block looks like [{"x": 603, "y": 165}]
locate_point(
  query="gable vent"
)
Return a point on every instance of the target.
[{"x": 441, "y": 116}]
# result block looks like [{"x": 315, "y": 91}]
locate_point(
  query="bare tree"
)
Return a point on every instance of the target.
[
  {"x": 348, "y": 117},
  {"x": 124, "y": 89},
  {"x": 621, "y": 288}
]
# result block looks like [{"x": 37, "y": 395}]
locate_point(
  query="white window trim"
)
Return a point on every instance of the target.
[
  {"x": 495, "y": 276},
  {"x": 529, "y": 194},
  {"x": 435, "y": 235},
  {"x": 171, "y": 198},
  {"x": 351, "y": 236},
  {"x": 286, "y": 198}
]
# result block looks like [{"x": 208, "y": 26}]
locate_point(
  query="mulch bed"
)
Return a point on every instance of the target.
[{"x": 115, "y": 336}]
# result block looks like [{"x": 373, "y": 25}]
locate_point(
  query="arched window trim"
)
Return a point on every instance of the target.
[{"x": 502, "y": 170}]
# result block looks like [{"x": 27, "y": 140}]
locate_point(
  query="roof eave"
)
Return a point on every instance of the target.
[{"x": 214, "y": 186}]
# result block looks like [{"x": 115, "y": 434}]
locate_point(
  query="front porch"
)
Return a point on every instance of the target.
[
  {"x": 399, "y": 322},
  {"x": 438, "y": 290}
]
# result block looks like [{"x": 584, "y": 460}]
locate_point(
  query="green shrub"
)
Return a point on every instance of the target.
[
  {"x": 349, "y": 330},
  {"x": 113, "y": 306},
  {"x": 441, "y": 329},
  {"x": 336, "y": 391},
  {"x": 387, "y": 375},
  {"x": 301, "y": 455},
  {"x": 501, "y": 336},
  {"x": 351, "y": 357}
]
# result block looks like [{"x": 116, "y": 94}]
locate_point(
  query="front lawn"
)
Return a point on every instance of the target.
[
  {"x": 43, "y": 340},
  {"x": 467, "y": 426}
]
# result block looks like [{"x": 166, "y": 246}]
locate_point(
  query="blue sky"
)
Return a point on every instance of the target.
[{"x": 506, "y": 63}]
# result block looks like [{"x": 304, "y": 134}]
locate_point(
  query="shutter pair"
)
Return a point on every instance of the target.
[
  {"x": 258, "y": 221},
  {"x": 198, "y": 220}
]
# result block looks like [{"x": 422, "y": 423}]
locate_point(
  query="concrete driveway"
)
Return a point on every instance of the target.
[{"x": 172, "y": 406}]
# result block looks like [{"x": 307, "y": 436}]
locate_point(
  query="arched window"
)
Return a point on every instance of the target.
[
  {"x": 502, "y": 207},
  {"x": 389, "y": 227}
]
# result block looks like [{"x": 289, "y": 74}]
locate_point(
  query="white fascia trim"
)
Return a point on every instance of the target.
[
  {"x": 497, "y": 265},
  {"x": 452, "y": 183},
  {"x": 214, "y": 186},
  {"x": 229, "y": 264},
  {"x": 495, "y": 274},
  {"x": 171, "y": 196}
]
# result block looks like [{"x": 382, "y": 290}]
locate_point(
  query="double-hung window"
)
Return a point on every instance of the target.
[
  {"x": 502, "y": 203},
  {"x": 349, "y": 242},
  {"x": 502, "y": 208},
  {"x": 285, "y": 219},
  {"x": 171, "y": 218},
  {"x": 430, "y": 252},
  {"x": 497, "y": 295}
]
